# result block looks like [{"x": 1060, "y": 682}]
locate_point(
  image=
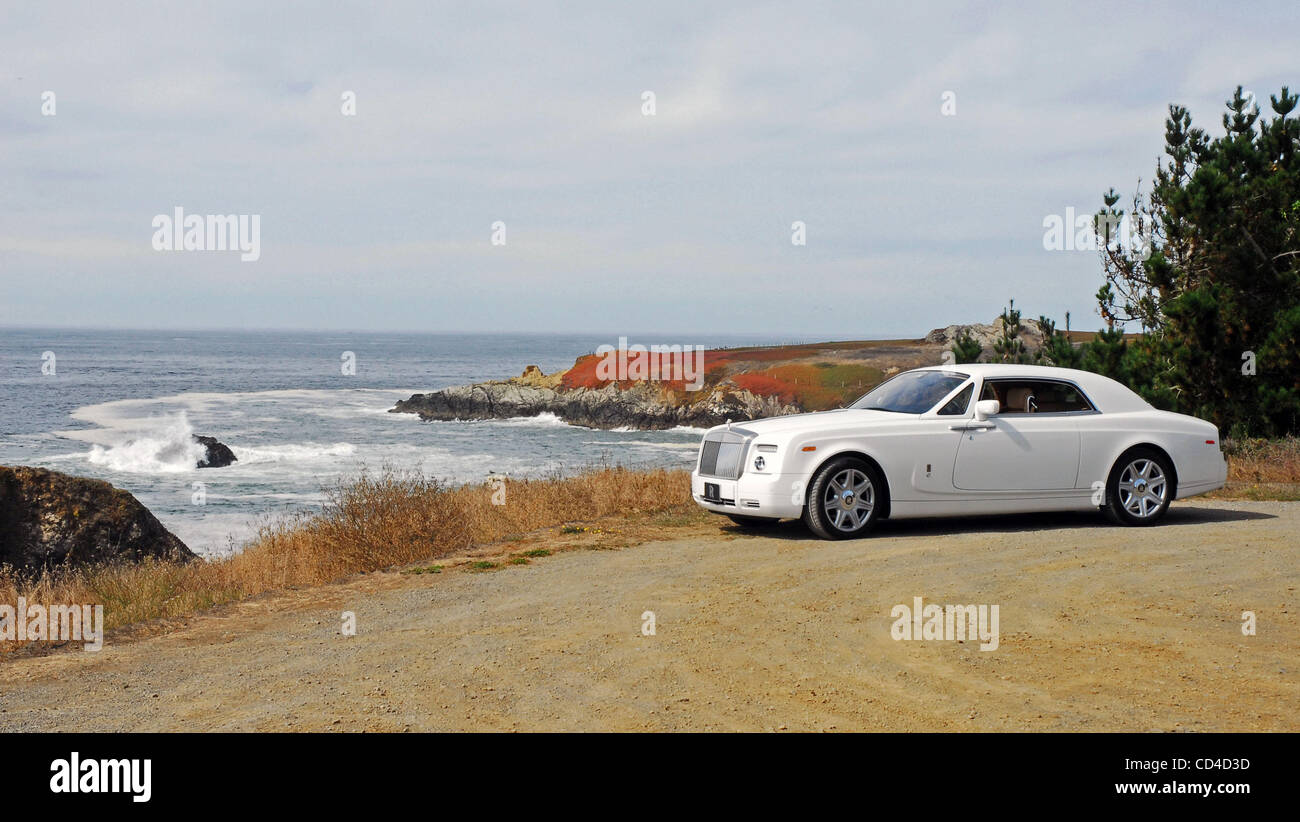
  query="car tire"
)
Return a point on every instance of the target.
[
  {"x": 845, "y": 499},
  {"x": 1139, "y": 488},
  {"x": 751, "y": 522}
]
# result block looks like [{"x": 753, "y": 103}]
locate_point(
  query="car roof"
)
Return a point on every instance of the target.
[{"x": 1106, "y": 394}]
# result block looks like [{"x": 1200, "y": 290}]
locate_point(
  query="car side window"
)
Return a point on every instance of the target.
[
  {"x": 1034, "y": 396},
  {"x": 1055, "y": 397},
  {"x": 957, "y": 405}
]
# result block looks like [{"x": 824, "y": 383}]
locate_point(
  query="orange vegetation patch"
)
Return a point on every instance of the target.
[
  {"x": 667, "y": 370},
  {"x": 813, "y": 386},
  {"x": 791, "y": 374},
  {"x": 765, "y": 385},
  {"x": 583, "y": 373}
]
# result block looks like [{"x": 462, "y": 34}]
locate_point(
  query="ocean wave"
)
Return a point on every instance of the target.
[
  {"x": 293, "y": 452},
  {"x": 546, "y": 418},
  {"x": 165, "y": 444},
  {"x": 119, "y": 414},
  {"x": 169, "y": 448},
  {"x": 687, "y": 429}
]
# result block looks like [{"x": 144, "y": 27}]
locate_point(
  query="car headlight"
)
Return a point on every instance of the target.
[{"x": 759, "y": 462}]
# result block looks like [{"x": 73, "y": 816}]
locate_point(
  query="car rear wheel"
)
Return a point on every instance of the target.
[
  {"x": 1140, "y": 488},
  {"x": 845, "y": 499}
]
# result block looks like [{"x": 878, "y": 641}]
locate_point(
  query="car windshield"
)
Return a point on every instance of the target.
[{"x": 912, "y": 392}]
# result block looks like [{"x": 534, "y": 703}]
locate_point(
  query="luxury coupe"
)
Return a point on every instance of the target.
[{"x": 961, "y": 440}]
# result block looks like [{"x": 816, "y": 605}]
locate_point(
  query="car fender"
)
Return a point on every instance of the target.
[{"x": 810, "y": 462}]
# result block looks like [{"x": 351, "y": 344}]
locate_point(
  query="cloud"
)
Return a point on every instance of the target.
[{"x": 531, "y": 114}]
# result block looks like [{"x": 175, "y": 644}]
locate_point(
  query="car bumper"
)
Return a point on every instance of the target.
[
  {"x": 753, "y": 495},
  {"x": 1212, "y": 475}
]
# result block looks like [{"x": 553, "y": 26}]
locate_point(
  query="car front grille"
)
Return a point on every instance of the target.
[{"x": 722, "y": 455}]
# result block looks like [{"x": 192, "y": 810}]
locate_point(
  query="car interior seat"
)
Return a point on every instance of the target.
[{"x": 1020, "y": 400}]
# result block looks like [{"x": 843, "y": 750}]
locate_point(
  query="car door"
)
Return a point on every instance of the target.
[
  {"x": 1028, "y": 446},
  {"x": 932, "y": 446}
]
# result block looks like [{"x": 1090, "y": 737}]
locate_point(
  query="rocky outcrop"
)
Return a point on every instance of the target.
[
  {"x": 986, "y": 334},
  {"x": 216, "y": 454},
  {"x": 1031, "y": 334},
  {"x": 50, "y": 520},
  {"x": 642, "y": 406}
]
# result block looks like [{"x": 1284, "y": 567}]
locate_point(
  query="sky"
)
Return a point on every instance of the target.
[{"x": 921, "y": 145}]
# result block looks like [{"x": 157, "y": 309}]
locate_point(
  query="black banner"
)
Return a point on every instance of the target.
[{"x": 972, "y": 772}]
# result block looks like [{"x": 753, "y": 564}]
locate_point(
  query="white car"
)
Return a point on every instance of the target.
[{"x": 961, "y": 440}]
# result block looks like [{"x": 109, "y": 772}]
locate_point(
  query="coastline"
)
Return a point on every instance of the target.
[{"x": 734, "y": 384}]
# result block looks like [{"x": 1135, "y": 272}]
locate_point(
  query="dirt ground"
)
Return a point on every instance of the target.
[{"x": 1101, "y": 628}]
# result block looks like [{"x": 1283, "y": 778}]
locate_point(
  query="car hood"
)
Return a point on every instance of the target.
[{"x": 817, "y": 421}]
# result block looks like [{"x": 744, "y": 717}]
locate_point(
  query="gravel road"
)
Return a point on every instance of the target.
[{"x": 1101, "y": 628}]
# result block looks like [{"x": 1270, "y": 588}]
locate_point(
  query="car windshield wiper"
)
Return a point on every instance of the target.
[{"x": 881, "y": 408}]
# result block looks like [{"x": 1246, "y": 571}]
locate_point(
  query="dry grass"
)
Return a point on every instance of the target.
[
  {"x": 1262, "y": 469},
  {"x": 1263, "y": 461},
  {"x": 377, "y": 521},
  {"x": 395, "y": 518}
]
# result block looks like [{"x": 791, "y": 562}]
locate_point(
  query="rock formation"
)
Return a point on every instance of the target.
[
  {"x": 49, "y": 519},
  {"x": 216, "y": 455},
  {"x": 1030, "y": 333},
  {"x": 642, "y": 406}
]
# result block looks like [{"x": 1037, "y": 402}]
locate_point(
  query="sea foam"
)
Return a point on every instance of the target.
[{"x": 165, "y": 447}]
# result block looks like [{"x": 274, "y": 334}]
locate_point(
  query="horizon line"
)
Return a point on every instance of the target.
[{"x": 830, "y": 337}]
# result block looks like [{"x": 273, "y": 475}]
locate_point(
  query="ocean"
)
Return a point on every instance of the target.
[{"x": 121, "y": 406}]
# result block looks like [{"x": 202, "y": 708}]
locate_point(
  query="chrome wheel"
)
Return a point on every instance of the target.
[
  {"x": 848, "y": 499},
  {"x": 1142, "y": 488}
]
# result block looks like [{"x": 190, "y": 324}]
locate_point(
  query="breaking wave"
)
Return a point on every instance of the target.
[{"x": 167, "y": 448}]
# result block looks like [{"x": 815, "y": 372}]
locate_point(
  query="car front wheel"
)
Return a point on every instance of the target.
[
  {"x": 845, "y": 499},
  {"x": 1140, "y": 488}
]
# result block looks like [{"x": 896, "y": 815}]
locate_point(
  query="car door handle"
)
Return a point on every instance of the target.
[{"x": 971, "y": 426}]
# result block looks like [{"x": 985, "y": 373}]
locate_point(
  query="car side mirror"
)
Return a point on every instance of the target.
[{"x": 986, "y": 408}]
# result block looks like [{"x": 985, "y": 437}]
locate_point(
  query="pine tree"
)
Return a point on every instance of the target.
[
  {"x": 1105, "y": 354},
  {"x": 966, "y": 348},
  {"x": 1057, "y": 349},
  {"x": 1009, "y": 347},
  {"x": 1217, "y": 286}
]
